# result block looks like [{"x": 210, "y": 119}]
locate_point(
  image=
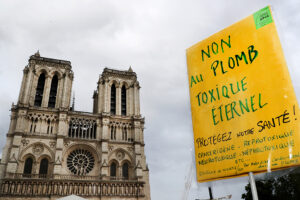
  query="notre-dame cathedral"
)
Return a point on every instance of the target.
[{"x": 54, "y": 151}]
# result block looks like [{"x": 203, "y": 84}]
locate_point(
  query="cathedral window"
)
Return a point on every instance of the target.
[
  {"x": 31, "y": 126},
  {"x": 39, "y": 90},
  {"x": 48, "y": 126},
  {"x": 28, "y": 166},
  {"x": 80, "y": 162},
  {"x": 34, "y": 127},
  {"x": 113, "y": 99},
  {"x": 113, "y": 133},
  {"x": 125, "y": 173},
  {"x": 71, "y": 131},
  {"x": 53, "y": 92},
  {"x": 82, "y": 128},
  {"x": 113, "y": 169},
  {"x": 123, "y": 100},
  {"x": 94, "y": 130},
  {"x": 124, "y": 134},
  {"x": 43, "y": 168}
]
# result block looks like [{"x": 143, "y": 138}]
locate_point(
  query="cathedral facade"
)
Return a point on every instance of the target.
[{"x": 53, "y": 150}]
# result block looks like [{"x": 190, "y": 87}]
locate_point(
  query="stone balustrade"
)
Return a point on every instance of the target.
[{"x": 27, "y": 187}]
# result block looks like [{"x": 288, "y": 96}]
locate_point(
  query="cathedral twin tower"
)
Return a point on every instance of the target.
[{"x": 53, "y": 151}]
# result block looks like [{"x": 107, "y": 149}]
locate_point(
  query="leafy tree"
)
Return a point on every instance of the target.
[
  {"x": 284, "y": 187},
  {"x": 264, "y": 191},
  {"x": 287, "y": 187}
]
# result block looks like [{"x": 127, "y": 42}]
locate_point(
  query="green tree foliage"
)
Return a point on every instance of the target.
[{"x": 285, "y": 187}]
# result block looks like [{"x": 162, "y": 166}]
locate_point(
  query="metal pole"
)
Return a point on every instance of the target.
[
  {"x": 210, "y": 193},
  {"x": 253, "y": 186}
]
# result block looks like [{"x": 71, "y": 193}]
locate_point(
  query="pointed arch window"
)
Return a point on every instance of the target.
[
  {"x": 35, "y": 123},
  {"x": 39, "y": 90},
  {"x": 113, "y": 99},
  {"x": 113, "y": 169},
  {"x": 123, "y": 100},
  {"x": 48, "y": 126},
  {"x": 113, "y": 133},
  {"x": 43, "y": 168},
  {"x": 124, "y": 134},
  {"x": 53, "y": 92},
  {"x": 28, "y": 166},
  {"x": 125, "y": 171},
  {"x": 31, "y": 126}
]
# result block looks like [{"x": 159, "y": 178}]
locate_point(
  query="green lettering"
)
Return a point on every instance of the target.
[
  {"x": 213, "y": 49},
  {"x": 193, "y": 81},
  {"x": 233, "y": 104},
  {"x": 243, "y": 56},
  {"x": 227, "y": 111},
  {"x": 220, "y": 108},
  {"x": 250, "y": 52},
  {"x": 214, "y": 116},
  {"x": 243, "y": 84},
  {"x": 211, "y": 92},
  {"x": 221, "y": 63},
  {"x": 231, "y": 64},
  {"x": 198, "y": 97},
  {"x": 244, "y": 107},
  {"x": 206, "y": 53},
  {"x": 214, "y": 66},
  {"x": 228, "y": 44},
  {"x": 226, "y": 93},
  {"x": 201, "y": 79},
  {"x": 252, "y": 103},
  {"x": 204, "y": 94},
  {"x": 259, "y": 101},
  {"x": 237, "y": 86}
]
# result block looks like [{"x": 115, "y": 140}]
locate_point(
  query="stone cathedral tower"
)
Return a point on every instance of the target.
[{"x": 53, "y": 151}]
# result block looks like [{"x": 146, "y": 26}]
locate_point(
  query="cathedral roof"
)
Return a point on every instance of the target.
[
  {"x": 37, "y": 57},
  {"x": 121, "y": 73}
]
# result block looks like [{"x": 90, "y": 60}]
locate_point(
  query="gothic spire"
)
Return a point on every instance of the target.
[{"x": 37, "y": 54}]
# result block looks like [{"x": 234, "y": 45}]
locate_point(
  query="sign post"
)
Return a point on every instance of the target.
[
  {"x": 253, "y": 186},
  {"x": 244, "y": 109},
  {"x": 210, "y": 193}
]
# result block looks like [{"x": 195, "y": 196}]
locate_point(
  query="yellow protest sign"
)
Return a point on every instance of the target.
[{"x": 244, "y": 109}]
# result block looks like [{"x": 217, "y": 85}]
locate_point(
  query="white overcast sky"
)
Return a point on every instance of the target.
[{"x": 151, "y": 36}]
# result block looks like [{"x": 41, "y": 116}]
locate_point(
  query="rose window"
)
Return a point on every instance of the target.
[{"x": 80, "y": 162}]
